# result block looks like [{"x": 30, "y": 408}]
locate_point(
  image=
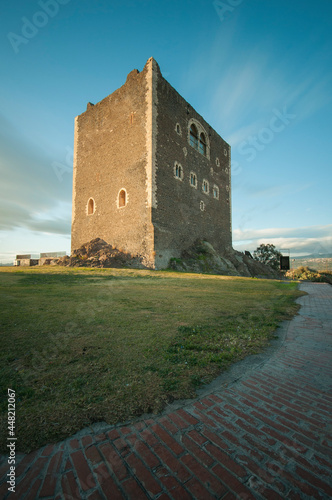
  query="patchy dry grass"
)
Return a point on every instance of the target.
[{"x": 85, "y": 345}]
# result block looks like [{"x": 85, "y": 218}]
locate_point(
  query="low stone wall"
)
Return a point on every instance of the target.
[{"x": 26, "y": 262}]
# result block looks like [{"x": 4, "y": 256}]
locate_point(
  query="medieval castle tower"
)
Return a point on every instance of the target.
[{"x": 150, "y": 175}]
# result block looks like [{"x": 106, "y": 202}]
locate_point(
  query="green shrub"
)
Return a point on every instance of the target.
[{"x": 305, "y": 274}]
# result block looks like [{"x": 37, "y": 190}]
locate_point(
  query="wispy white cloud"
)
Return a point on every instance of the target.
[
  {"x": 311, "y": 239},
  {"x": 244, "y": 87},
  {"x": 32, "y": 196},
  {"x": 316, "y": 97},
  {"x": 236, "y": 137},
  {"x": 275, "y": 191},
  {"x": 26, "y": 241},
  {"x": 303, "y": 232}
]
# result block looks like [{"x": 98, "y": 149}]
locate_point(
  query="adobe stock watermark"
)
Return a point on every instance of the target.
[
  {"x": 30, "y": 27},
  {"x": 11, "y": 445},
  {"x": 224, "y": 8},
  {"x": 60, "y": 169},
  {"x": 256, "y": 143}
]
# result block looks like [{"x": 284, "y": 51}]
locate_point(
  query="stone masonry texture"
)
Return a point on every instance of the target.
[
  {"x": 260, "y": 431},
  {"x": 137, "y": 140}
]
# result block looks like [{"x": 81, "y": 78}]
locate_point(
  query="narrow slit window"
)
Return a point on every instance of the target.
[
  {"x": 91, "y": 206},
  {"x": 122, "y": 198}
]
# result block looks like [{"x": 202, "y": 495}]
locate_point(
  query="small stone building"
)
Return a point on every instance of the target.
[
  {"x": 25, "y": 260},
  {"x": 150, "y": 174}
]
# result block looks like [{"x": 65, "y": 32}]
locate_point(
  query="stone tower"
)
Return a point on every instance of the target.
[{"x": 150, "y": 175}]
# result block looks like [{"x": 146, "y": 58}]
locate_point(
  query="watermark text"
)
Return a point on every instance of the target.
[
  {"x": 30, "y": 27},
  {"x": 11, "y": 445},
  {"x": 226, "y": 7},
  {"x": 256, "y": 143}
]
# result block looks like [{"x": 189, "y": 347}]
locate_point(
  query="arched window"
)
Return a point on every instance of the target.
[
  {"x": 122, "y": 198},
  {"x": 193, "y": 136},
  {"x": 193, "y": 180},
  {"x": 178, "y": 171},
  {"x": 202, "y": 144},
  {"x": 91, "y": 206},
  {"x": 205, "y": 186},
  {"x": 198, "y": 138},
  {"x": 216, "y": 192}
]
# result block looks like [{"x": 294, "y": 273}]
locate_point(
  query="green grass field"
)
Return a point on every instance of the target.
[{"x": 86, "y": 345}]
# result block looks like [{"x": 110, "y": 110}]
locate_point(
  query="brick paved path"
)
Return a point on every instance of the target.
[{"x": 265, "y": 435}]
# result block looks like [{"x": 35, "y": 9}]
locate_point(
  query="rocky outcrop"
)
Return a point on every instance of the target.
[
  {"x": 203, "y": 258},
  {"x": 98, "y": 253},
  {"x": 199, "y": 258}
]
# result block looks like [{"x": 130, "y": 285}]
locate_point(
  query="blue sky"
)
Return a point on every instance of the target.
[{"x": 260, "y": 72}]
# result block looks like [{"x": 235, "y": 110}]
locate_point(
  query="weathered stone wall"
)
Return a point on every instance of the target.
[
  {"x": 185, "y": 213},
  {"x": 133, "y": 140},
  {"x": 110, "y": 155}
]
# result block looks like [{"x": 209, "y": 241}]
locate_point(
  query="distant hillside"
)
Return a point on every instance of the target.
[
  {"x": 319, "y": 263},
  {"x": 316, "y": 256}
]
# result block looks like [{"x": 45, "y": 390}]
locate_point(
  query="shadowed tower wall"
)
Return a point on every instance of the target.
[{"x": 192, "y": 182}]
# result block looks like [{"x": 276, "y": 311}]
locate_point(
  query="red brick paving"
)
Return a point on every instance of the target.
[{"x": 267, "y": 435}]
